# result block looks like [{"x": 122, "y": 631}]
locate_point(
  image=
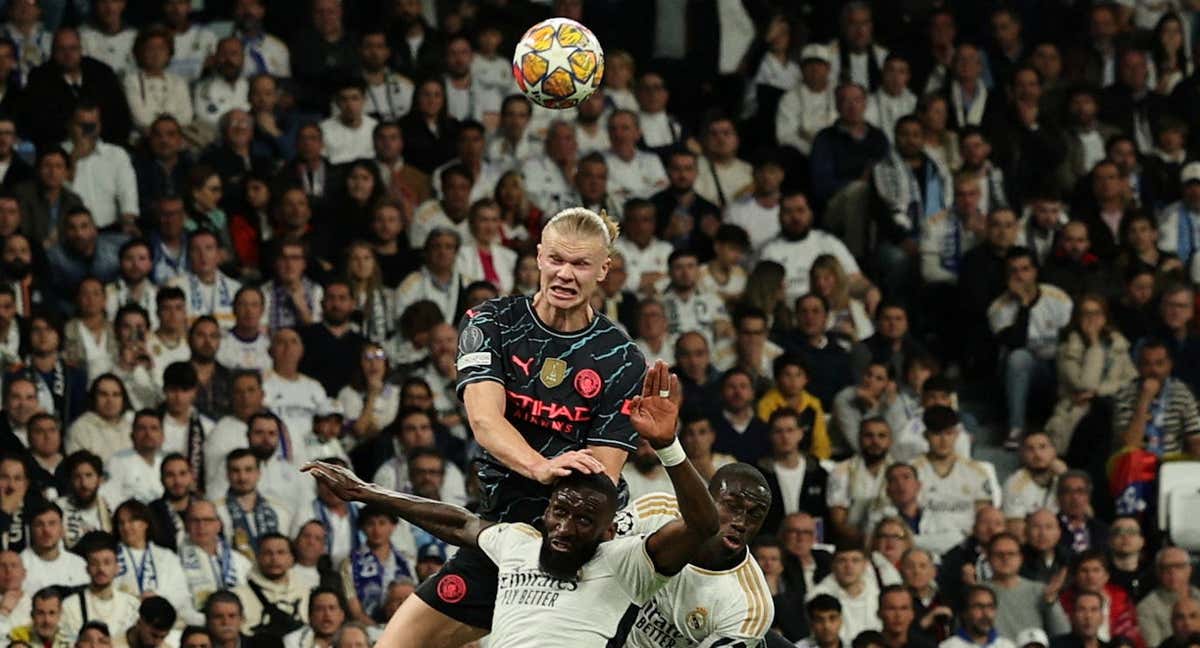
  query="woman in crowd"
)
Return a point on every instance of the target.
[
  {"x": 520, "y": 220},
  {"x": 144, "y": 568},
  {"x": 484, "y": 256},
  {"x": 847, "y": 315},
  {"x": 89, "y": 339},
  {"x": 361, "y": 191},
  {"x": 152, "y": 91},
  {"x": 204, "y": 206},
  {"x": 374, "y": 308},
  {"x": 370, "y": 401},
  {"x": 1093, "y": 363},
  {"x": 106, "y": 426}
]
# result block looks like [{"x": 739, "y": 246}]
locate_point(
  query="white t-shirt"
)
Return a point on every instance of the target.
[
  {"x": 119, "y": 612},
  {"x": 130, "y": 477},
  {"x": 790, "y": 481},
  {"x": 237, "y": 353},
  {"x": 534, "y": 609},
  {"x": 296, "y": 402},
  {"x": 700, "y": 313},
  {"x": 1023, "y": 496},
  {"x": 797, "y": 258},
  {"x": 761, "y": 223},
  {"x": 66, "y": 570},
  {"x": 954, "y": 496},
  {"x": 175, "y": 434},
  {"x": 641, "y": 177},
  {"x": 853, "y": 487},
  {"x": 156, "y": 569},
  {"x": 344, "y": 143},
  {"x": 652, "y": 258}
]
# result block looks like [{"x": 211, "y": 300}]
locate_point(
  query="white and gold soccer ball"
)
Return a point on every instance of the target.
[{"x": 558, "y": 63}]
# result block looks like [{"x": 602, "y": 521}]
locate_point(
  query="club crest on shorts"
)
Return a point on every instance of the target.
[
  {"x": 553, "y": 372},
  {"x": 588, "y": 383},
  {"x": 697, "y": 619},
  {"x": 452, "y": 588}
]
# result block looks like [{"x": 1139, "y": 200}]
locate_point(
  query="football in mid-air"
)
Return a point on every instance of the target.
[{"x": 558, "y": 63}]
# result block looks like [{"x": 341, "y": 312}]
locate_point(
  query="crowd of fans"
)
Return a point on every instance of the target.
[{"x": 874, "y": 239}]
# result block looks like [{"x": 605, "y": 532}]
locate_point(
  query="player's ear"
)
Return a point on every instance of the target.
[
  {"x": 611, "y": 531},
  {"x": 604, "y": 269}
]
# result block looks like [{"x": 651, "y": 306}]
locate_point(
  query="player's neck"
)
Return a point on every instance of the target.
[
  {"x": 710, "y": 556},
  {"x": 562, "y": 320}
]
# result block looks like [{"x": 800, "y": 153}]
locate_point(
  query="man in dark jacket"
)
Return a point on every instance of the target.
[
  {"x": 796, "y": 479},
  {"x": 1073, "y": 267},
  {"x": 56, "y": 86}
]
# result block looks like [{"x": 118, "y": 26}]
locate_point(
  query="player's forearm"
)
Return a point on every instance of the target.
[
  {"x": 696, "y": 506},
  {"x": 447, "y": 522},
  {"x": 505, "y": 443}
]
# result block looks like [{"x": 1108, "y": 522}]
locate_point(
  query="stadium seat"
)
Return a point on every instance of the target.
[{"x": 1179, "y": 489}]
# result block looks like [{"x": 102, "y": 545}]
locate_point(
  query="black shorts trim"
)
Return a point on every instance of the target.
[{"x": 464, "y": 589}]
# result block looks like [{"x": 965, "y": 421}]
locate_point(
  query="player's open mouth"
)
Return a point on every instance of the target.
[
  {"x": 732, "y": 541},
  {"x": 559, "y": 545},
  {"x": 562, "y": 291}
]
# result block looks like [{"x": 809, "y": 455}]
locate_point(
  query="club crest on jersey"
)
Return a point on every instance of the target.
[
  {"x": 588, "y": 383},
  {"x": 554, "y": 371},
  {"x": 697, "y": 619}
]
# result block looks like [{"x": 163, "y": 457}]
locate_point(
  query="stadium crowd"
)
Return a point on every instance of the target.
[{"x": 930, "y": 265}]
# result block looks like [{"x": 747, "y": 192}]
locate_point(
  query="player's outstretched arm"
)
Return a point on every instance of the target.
[
  {"x": 655, "y": 418},
  {"x": 485, "y": 402},
  {"x": 447, "y": 522}
]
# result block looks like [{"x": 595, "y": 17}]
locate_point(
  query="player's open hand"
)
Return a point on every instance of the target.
[
  {"x": 342, "y": 481},
  {"x": 655, "y": 413},
  {"x": 581, "y": 461}
]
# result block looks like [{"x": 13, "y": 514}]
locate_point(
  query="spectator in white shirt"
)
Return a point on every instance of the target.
[
  {"x": 466, "y": 97},
  {"x": 133, "y": 473},
  {"x": 144, "y": 568},
  {"x": 658, "y": 129},
  {"x": 265, "y": 54},
  {"x": 484, "y": 256},
  {"x": 244, "y": 345},
  {"x": 208, "y": 290},
  {"x": 470, "y": 147},
  {"x": 104, "y": 176},
  {"x": 149, "y": 88},
  {"x": 721, "y": 176},
  {"x": 193, "y": 44},
  {"x": 106, "y": 39},
  {"x": 631, "y": 173},
  {"x": 688, "y": 308},
  {"x": 100, "y": 600},
  {"x": 294, "y": 397},
  {"x": 654, "y": 338},
  {"x": 1026, "y": 321},
  {"x": 758, "y": 212},
  {"x": 389, "y": 94},
  {"x": 645, "y": 255},
  {"x": 893, "y": 99},
  {"x": 590, "y": 129},
  {"x": 799, "y": 244},
  {"x": 46, "y": 561},
  {"x": 809, "y": 107},
  {"x": 348, "y": 134},
  {"x": 851, "y": 586},
  {"x": 224, "y": 88},
  {"x": 513, "y": 142},
  {"x": 16, "y": 602},
  {"x": 548, "y": 177}
]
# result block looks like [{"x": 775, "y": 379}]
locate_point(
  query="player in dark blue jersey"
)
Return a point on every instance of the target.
[{"x": 546, "y": 382}]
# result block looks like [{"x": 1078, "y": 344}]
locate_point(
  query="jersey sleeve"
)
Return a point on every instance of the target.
[
  {"x": 631, "y": 566},
  {"x": 610, "y": 416},
  {"x": 479, "y": 348}
]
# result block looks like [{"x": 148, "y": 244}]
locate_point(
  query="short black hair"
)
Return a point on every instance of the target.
[
  {"x": 787, "y": 360},
  {"x": 938, "y": 418},
  {"x": 168, "y": 293},
  {"x": 679, "y": 253},
  {"x": 157, "y": 612},
  {"x": 180, "y": 375},
  {"x": 240, "y": 453},
  {"x": 223, "y": 596},
  {"x": 79, "y": 458},
  {"x": 742, "y": 472},
  {"x": 600, "y": 483},
  {"x": 371, "y": 511},
  {"x": 822, "y": 603},
  {"x": 938, "y": 383},
  {"x": 734, "y": 235}
]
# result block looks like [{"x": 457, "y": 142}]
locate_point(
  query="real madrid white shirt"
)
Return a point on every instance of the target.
[
  {"x": 130, "y": 476},
  {"x": 797, "y": 258},
  {"x": 175, "y": 433},
  {"x": 640, "y": 260},
  {"x": 119, "y": 611},
  {"x": 853, "y": 487},
  {"x": 1048, "y": 314},
  {"x": 544, "y": 181},
  {"x": 153, "y": 569},
  {"x": 721, "y": 184},
  {"x": 534, "y": 609},
  {"x": 759, "y": 221},
  {"x": 430, "y": 216},
  {"x": 66, "y": 569},
  {"x": 955, "y": 495},
  {"x": 698, "y": 606},
  {"x": 345, "y": 143},
  {"x": 236, "y": 352},
  {"x": 639, "y": 177},
  {"x": 106, "y": 182},
  {"x": 1023, "y": 495},
  {"x": 192, "y": 48},
  {"x": 698, "y": 312},
  {"x": 214, "y": 298},
  {"x": 296, "y": 402},
  {"x": 391, "y": 99},
  {"x": 113, "y": 50}
]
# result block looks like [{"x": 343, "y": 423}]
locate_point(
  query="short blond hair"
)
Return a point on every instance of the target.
[{"x": 578, "y": 222}]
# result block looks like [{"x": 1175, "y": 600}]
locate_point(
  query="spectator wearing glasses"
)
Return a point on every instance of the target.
[
  {"x": 1128, "y": 563},
  {"x": 1155, "y": 612},
  {"x": 1020, "y": 603}
]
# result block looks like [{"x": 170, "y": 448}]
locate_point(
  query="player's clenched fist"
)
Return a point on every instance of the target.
[{"x": 655, "y": 413}]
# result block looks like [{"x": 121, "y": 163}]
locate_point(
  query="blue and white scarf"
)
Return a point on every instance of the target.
[{"x": 370, "y": 582}]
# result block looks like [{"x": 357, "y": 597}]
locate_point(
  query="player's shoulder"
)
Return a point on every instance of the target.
[{"x": 748, "y": 594}]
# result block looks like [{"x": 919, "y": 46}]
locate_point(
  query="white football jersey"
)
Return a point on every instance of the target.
[
  {"x": 698, "y": 607},
  {"x": 954, "y": 496},
  {"x": 534, "y": 609}
]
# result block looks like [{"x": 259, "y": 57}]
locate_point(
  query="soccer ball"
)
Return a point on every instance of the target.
[{"x": 558, "y": 63}]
